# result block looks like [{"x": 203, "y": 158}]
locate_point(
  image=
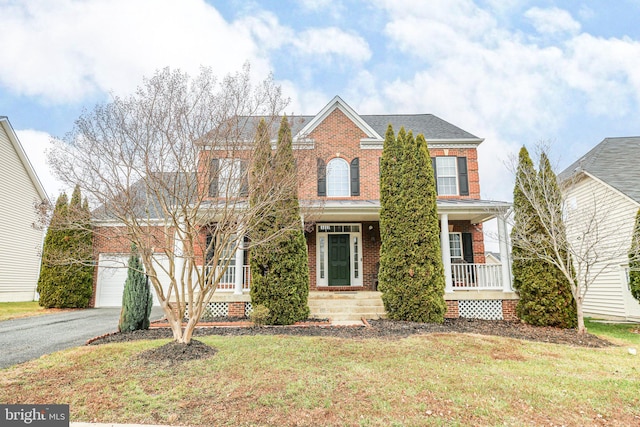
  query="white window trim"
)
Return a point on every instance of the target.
[
  {"x": 461, "y": 257},
  {"x": 355, "y": 281},
  {"x": 455, "y": 176},
  {"x": 348, "y": 183}
]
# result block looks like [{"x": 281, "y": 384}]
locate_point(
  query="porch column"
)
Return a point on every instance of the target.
[
  {"x": 503, "y": 238},
  {"x": 446, "y": 252},
  {"x": 239, "y": 267}
]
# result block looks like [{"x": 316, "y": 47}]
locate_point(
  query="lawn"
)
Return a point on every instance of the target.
[
  {"x": 10, "y": 310},
  {"x": 435, "y": 379}
]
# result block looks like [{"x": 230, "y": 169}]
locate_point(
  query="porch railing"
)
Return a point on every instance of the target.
[
  {"x": 476, "y": 276},
  {"x": 228, "y": 279}
]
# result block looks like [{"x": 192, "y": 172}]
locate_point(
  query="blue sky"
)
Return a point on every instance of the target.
[{"x": 511, "y": 71}]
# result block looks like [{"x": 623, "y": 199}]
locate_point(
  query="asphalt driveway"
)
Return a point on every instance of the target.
[{"x": 31, "y": 337}]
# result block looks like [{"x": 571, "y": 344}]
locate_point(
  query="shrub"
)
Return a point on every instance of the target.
[{"x": 136, "y": 298}]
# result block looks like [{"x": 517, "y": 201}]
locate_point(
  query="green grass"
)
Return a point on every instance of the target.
[
  {"x": 437, "y": 379},
  {"x": 629, "y": 333},
  {"x": 10, "y": 310}
]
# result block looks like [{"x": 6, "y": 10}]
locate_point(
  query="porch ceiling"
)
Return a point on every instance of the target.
[{"x": 475, "y": 211}]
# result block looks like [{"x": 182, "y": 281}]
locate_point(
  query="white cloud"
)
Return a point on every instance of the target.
[
  {"x": 36, "y": 145},
  {"x": 552, "y": 20},
  {"x": 328, "y": 43},
  {"x": 67, "y": 50}
]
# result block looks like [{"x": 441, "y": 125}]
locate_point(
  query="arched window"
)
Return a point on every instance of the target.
[{"x": 338, "y": 184}]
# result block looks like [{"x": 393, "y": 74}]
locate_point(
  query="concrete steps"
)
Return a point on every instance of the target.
[{"x": 342, "y": 306}]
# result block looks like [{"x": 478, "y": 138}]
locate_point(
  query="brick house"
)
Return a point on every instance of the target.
[{"x": 343, "y": 238}]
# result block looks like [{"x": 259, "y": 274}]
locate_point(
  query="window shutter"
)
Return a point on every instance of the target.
[
  {"x": 355, "y": 177},
  {"x": 322, "y": 178},
  {"x": 463, "y": 176},
  {"x": 467, "y": 247},
  {"x": 244, "y": 185},
  {"x": 214, "y": 171},
  {"x": 435, "y": 172}
]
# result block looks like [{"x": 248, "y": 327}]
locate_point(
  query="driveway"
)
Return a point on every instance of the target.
[{"x": 31, "y": 337}]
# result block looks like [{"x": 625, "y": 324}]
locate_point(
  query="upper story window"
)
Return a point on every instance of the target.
[
  {"x": 339, "y": 178},
  {"x": 228, "y": 178},
  {"x": 455, "y": 245},
  {"x": 451, "y": 175}
]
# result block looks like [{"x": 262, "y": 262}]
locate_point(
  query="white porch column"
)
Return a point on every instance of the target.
[
  {"x": 238, "y": 266},
  {"x": 503, "y": 238},
  {"x": 446, "y": 252}
]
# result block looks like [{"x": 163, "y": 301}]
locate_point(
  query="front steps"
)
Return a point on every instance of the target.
[{"x": 343, "y": 306}]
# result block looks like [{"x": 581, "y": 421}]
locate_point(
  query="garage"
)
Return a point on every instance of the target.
[{"x": 112, "y": 273}]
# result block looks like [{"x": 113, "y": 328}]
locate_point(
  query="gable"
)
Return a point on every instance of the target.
[
  {"x": 337, "y": 129},
  {"x": 14, "y": 160}
]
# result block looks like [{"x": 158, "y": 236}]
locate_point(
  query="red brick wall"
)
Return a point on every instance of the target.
[
  {"x": 509, "y": 310},
  {"x": 452, "y": 310}
]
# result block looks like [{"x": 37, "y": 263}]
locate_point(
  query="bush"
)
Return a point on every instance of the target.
[
  {"x": 259, "y": 315},
  {"x": 136, "y": 299}
]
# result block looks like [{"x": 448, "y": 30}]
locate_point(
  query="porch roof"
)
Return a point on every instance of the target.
[{"x": 476, "y": 211}]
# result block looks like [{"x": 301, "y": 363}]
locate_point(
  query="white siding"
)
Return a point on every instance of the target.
[
  {"x": 605, "y": 296},
  {"x": 20, "y": 243}
]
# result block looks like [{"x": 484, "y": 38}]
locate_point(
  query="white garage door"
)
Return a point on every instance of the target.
[{"x": 112, "y": 273}]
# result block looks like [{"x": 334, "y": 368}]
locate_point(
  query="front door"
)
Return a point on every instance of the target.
[{"x": 339, "y": 268}]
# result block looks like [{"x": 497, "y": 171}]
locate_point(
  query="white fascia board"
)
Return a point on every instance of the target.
[
  {"x": 6, "y": 125},
  {"x": 615, "y": 190},
  {"x": 454, "y": 143},
  {"x": 338, "y": 103}
]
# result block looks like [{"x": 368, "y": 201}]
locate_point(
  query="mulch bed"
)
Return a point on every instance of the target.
[{"x": 387, "y": 329}]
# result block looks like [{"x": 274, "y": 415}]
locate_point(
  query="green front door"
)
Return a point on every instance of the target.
[{"x": 339, "y": 267}]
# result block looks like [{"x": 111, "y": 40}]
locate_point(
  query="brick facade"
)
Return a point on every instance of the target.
[{"x": 337, "y": 136}]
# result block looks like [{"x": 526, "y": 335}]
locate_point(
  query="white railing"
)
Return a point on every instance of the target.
[
  {"x": 476, "y": 276},
  {"x": 228, "y": 279}
]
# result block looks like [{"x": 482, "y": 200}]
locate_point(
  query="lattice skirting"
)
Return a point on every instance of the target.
[
  {"x": 248, "y": 309},
  {"x": 213, "y": 309},
  {"x": 481, "y": 309}
]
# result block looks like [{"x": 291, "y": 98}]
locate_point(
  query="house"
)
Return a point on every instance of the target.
[
  {"x": 606, "y": 181},
  {"x": 344, "y": 238},
  {"x": 492, "y": 257},
  {"x": 20, "y": 242}
]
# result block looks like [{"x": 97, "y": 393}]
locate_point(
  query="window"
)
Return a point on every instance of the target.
[
  {"x": 338, "y": 178},
  {"x": 228, "y": 178},
  {"x": 455, "y": 245},
  {"x": 447, "y": 176},
  {"x": 452, "y": 178}
]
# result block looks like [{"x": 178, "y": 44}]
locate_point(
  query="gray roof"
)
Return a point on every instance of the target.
[
  {"x": 432, "y": 127},
  {"x": 614, "y": 161}
]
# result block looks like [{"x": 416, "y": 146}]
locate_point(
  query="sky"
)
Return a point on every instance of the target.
[{"x": 513, "y": 72}]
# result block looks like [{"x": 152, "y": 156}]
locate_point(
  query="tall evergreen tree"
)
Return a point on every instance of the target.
[
  {"x": 136, "y": 298},
  {"x": 412, "y": 275},
  {"x": 66, "y": 274},
  {"x": 283, "y": 285},
  {"x": 634, "y": 260},
  {"x": 52, "y": 273},
  {"x": 545, "y": 293}
]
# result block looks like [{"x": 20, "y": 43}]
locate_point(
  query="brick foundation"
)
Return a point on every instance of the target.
[
  {"x": 509, "y": 310},
  {"x": 237, "y": 309},
  {"x": 452, "y": 310}
]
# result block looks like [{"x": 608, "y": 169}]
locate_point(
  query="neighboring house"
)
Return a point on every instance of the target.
[
  {"x": 607, "y": 180},
  {"x": 20, "y": 242},
  {"x": 344, "y": 239}
]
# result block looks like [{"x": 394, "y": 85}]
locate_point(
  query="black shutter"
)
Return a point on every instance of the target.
[
  {"x": 244, "y": 186},
  {"x": 355, "y": 177},
  {"x": 467, "y": 247},
  {"x": 322, "y": 178},
  {"x": 435, "y": 172},
  {"x": 214, "y": 171},
  {"x": 463, "y": 176}
]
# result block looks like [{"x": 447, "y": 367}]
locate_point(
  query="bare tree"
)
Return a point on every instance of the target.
[
  {"x": 168, "y": 167},
  {"x": 571, "y": 214}
]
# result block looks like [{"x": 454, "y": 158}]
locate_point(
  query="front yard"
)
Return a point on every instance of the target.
[
  {"x": 433, "y": 379},
  {"x": 12, "y": 310}
]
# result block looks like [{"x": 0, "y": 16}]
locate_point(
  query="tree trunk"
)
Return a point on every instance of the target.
[{"x": 581, "y": 327}]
